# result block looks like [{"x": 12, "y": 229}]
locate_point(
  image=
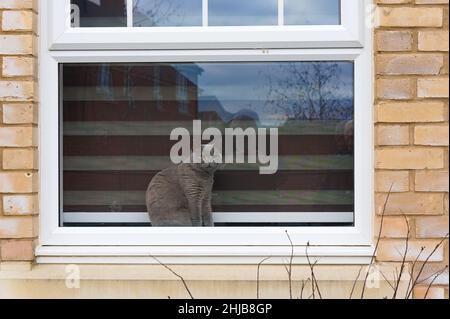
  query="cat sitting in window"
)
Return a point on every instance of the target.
[{"x": 180, "y": 196}]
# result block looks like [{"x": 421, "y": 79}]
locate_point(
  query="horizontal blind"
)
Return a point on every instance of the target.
[{"x": 117, "y": 118}]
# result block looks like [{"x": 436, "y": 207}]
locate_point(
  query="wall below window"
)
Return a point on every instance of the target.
[
  {"x": 207, "y": 281},
  {"x": 411, "y": 112}
]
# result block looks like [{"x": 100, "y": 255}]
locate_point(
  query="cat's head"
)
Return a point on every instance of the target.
[{"x": 208, "y": 159}]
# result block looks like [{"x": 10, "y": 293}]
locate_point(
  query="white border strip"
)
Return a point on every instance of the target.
[{"x": 315, "y": 217}]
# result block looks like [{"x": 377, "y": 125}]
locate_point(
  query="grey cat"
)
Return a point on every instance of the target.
[{"x": 181, "y": 195}]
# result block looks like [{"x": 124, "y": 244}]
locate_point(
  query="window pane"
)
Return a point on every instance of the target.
[
  {"x": 117, "y": 120},
  {"x": 99, "y": 13},
  {"x": 243, "y": 12},
  {"x": 167, "y": 13},
  {"x": 312, "y": 12}
]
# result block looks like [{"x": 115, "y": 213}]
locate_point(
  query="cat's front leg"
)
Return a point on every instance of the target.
[
  {"x": 207, "y": 213},
  {"x": 195, "y": 210}
]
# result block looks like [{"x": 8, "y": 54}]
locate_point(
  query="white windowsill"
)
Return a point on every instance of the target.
[{"x": 210, "y": 255}]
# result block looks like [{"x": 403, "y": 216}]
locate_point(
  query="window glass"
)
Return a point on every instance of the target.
[
  {"x": 243, "y": 12},
  {"x": 167, "y": 13},
  {"x": 99, "y": 13},
  {"x": 312, "y": 12},
  {"x": 117, "y": 119}
]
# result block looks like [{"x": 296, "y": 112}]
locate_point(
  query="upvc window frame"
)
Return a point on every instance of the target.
[
  {"x": 197, "y": 245},
  {"x": 350, "y": 33}
]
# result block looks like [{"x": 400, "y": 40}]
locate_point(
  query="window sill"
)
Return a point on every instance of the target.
[{"x": 207, "y": 255}]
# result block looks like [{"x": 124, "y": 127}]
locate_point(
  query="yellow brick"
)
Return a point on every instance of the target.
[
  {"x": 16, "y": 4},
  {"x": 17, "y": 182},
  {"x": 409, "y": 112},
  {"x": 410, "y": 158},
  {"x": 393, "y": 1},
  {"x": 17, "y": 250},
  {"x": 16, "y": 90},
  {"x": 436, "y": 135},
  {"x": 20, "y": 159},
  {"x": 16, "y": 44},
  {"x": 433, "y": 40},
  {"x": 17, "y": 20},
  {"x": 431, "y": 181},
  {"x": 393, "y": 250},
  {"x": 410, "y": 17},
  {"x": 431, "y": 227},
  {"x": 432, "y": 87},
  {"x": 393, "y": 227},
  {"x": 18, "y": 136},
  {"x": 411, "y": 203},
  {"x": 398, "y": 64},
  {"x": 396, "y": 181},
  {"x": 16, "y": 227},
  {"x": 431, "y": 1},
  {"x": 18, "y": 66},
  {"x": 394, "y": 40},
  {"x": 20, "y": 205},
  {"x": 19, "y": 113},
  {"x": 429, "y": 272},
  {"x": 393, "y": 135},
  {"x": 425, "y": 292},
  {"x": 395, "y": 89}
]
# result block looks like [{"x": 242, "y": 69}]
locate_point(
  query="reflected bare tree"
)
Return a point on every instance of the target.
[
  {"x": 310, "y": 92},
  {"x": 155, "y": 13}
]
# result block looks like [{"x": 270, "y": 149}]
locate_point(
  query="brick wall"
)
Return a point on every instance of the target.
[
  {"x": 411, "y": 113},
  {"x": 18, "y": 130}
]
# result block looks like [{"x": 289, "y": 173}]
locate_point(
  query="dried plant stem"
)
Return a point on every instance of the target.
[
  {"x": 257, "y": 275},
  {"x": 405, "y": 255},
  {"x": 314, "y": 283},
  {"x": 355, "y": 282},
  {"x": 411, "y": 273},
  {"x": 377, "y": 243},
  {"x": 438, "y": 274},
  {"x": 176, "y": 274},
  {"x": 291, "y": 260},
  {"x": 303, "y": 287},
  {"x": 416, "y": 280}
]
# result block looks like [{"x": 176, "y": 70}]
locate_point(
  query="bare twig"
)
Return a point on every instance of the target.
[
  {"x": 303, "y": 287},
  {"x": 289, "y": 268},
  {"x": 430, "y": 276},
  {"x": 434, "y": 279},
  {"x": 415, "y": 282},
  {"x": 378, "y": 242},
  {"x": 405, "y": 255},
  {"x": 411, "y": 273},
  {"x": 176, "y": 274},
  {"x": 355, "y": 282},
  {"x": 314, "y": 283},
  {"x": 257, "y": 275}
]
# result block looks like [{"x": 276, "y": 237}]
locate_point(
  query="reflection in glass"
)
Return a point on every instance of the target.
[
  {"x": 117, "y": 120},
  {"x": 312, "y": 12},
  {"x": 243, "y": 12},
  {"x": 104, "y": 13},
  {"x": 167, "y": 13}
]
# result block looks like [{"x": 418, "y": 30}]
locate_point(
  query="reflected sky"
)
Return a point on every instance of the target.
[
  {"x": 167, "y": 13},
  {"x": 312, "y": 12},
  {"x": 278, "y": 89},
  {"x": 106, "y": 13},
  {"x": 243, "y": 12}
]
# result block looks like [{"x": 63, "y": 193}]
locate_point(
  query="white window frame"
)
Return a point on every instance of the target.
[
  {"x": 197, "y": 245},
  {"x": 350, "y": 33}
]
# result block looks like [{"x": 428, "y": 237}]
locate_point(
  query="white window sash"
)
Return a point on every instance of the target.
[
  {"x": 53, "y": 234},
  {"x": 347, "y": 35}
]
